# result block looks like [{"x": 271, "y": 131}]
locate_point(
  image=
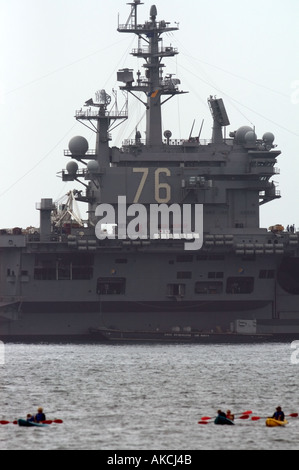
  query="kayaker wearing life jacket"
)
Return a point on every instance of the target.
[
  {"x": 279, "y": 414},
  {"x": 40, "y": 416},
  {"x": 229, "y": 415}
]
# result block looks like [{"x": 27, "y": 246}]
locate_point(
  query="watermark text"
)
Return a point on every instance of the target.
[{"x": 158, "y": 221}]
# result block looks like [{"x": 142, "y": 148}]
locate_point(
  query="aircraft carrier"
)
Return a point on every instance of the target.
[{"x": 172, "y": 245}]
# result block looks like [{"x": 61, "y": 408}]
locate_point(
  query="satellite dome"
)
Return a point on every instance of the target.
[
  {"x": 167, "y": 134},
  {"x": 78, "y": 145},
  {"x": 72, "y": 168},
  {"x": 93, "y": 166},
  {"x": 250, "y": 137},
  {"x": 240, "y": 134},
  {"x": 268, "y": 138}
]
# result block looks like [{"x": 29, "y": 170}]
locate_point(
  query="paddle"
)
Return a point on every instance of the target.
[
  {"x": 256, "y": 418},
  {"x": 244, "y": 415},
  {"x": 48, "y": 421}
]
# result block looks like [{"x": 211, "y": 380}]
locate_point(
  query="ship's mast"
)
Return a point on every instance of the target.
[{"x": 153, "y": 84}]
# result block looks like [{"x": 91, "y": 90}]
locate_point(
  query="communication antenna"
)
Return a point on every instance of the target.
[
  {"x": 132, "y": 20},
  {"x": 200, "y": 129},
  {"x": 190, "y": 135}
]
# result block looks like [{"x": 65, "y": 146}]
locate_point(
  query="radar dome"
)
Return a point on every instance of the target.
[
  {"x": 268, "y": 138},
  {"x": 78, "y": 145},
  {"x": 167, "y": 134},
  {"x": 240, "y": 134},
  {"x": 72, "y": 168},
  {"x": 93, "y": 166},
  {"x": 250, "y": 137}
]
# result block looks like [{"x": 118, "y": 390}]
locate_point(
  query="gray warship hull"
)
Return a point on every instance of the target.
[
  {"x": 139, "y": 289},
  {"x": 223, "y": 274}
]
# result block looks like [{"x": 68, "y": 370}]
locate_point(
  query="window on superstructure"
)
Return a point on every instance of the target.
[
  {"x": 176, "y": 290},
  {"x": 64, "y": 266},
  {"x": 184, "y": 275},
  {"x": 45, "y": 269},
  {"x": 204, "y": 287},
  {"x": 239, "y": 285},
  {"x": 111, "y": 286},
  {"x": 215, "y": 275},
  {"x": 267, "y": 274}
]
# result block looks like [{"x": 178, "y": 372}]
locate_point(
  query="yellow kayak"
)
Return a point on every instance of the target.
[{"x": 271, "y": 422}]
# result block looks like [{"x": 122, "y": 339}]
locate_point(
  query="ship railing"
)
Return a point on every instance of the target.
[
  {"x": 81, "y": 173},
  {"x": 92, "y": 153},
  {"x": 182, "y": 142},
  {"x": 264, "y": 169},
  {"x": 273, "y": 192},
  {"x": 193, "y": 142},
  {"x": 162, "y": 50},
  {"x": 90, "y": 114},
  {"x": 130, "y": 27},
  {"x": 139, "y": 27}
]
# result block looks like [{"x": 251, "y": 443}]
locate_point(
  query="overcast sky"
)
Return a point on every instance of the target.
[{"x": 55, "y": 54}]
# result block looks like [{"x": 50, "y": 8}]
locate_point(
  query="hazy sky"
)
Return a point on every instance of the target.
[{"x": 55, "y": 54}]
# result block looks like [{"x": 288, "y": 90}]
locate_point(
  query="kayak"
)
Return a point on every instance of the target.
[
  {"x": 271, "y": 422},
  {"x": 223, "y": 420},
  {"x": 25, "y": 423}
]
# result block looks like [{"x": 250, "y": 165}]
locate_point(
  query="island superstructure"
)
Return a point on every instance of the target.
[{"x": 207, "y": 266}]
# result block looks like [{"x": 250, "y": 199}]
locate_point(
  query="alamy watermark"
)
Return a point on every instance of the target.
[
  {"x": 160, "y": 221},
  {"x": 2, "y": 354}
]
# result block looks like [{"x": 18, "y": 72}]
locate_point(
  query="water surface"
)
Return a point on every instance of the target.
[{"x": 147, "y": 397}]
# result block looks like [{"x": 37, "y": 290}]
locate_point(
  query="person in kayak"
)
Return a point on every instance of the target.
[
  {"x": 40, "y": 416},
  {"x": 229, "y": 415},
  {"x": 221, "y": 413},
  {"x": 279, "y": 414}
]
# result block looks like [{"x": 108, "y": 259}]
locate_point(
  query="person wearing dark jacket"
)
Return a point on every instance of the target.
[
  {"x": 40, "y": 416},
  {"x": 279, "y": 414}
]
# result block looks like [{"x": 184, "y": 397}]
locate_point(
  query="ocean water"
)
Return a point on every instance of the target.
[{"x": 148, "y": 397}]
